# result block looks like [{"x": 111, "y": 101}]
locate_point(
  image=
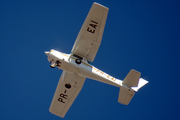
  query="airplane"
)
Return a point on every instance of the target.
[{"x": 76, "y": 66}]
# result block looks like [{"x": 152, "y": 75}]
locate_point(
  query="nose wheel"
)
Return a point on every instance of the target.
[
  {"x": 53, "y": 65},
  {"x": 57, "y": 63}
]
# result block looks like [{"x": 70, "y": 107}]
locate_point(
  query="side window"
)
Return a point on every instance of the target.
[{"x": 78, "y": 57}]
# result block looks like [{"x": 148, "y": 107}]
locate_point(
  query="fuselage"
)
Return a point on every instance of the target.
[{"x": 68, "y": 62}]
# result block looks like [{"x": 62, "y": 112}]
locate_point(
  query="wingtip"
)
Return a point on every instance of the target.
[
  {"x": 100, "y": 5},
  {"x": 56, "y": 113}
]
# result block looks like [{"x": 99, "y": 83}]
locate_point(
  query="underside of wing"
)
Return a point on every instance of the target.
[
  {"x": 65, "y": 95},
  {"x": 89, "y": 38}
]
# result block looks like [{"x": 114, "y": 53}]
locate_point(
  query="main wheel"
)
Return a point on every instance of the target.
[
  {"x": 67, "y": 85},
  {"x": 78, "y": 61}
]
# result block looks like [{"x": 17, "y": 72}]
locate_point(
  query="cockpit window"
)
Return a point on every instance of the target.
[{"x": 77, "y": 56}]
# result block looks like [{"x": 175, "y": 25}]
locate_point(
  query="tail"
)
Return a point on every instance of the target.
[{"x": 131, "y": 83}]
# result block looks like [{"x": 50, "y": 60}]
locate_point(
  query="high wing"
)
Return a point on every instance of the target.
[
  {"x": 64, "y": 97},
  {"x": 89, "y": 38}
]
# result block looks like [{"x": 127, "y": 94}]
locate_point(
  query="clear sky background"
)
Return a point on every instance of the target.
[{"x": 142, "y": 35}]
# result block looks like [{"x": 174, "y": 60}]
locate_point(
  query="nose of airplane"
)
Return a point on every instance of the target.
[{"x": 46, "y": 52}]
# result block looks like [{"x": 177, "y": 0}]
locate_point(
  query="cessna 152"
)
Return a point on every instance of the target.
[{"x": 76, "y": 67}]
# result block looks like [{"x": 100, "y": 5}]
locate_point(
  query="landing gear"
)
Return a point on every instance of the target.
[
  {"x": 78, "y": 61},
  {"x": 53, "y": 65},
  {"x": 67, "y": 85},
  {"x": 58, "y": 63}
]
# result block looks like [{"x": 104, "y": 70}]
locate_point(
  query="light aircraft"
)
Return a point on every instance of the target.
[{"x": 76, "y": 66}]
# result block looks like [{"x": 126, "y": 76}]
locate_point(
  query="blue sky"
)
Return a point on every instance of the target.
[{"x": 141, "y": 35}]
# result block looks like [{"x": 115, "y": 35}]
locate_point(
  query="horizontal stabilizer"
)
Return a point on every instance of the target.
[
  {"x": 131, "y": 84},
  {"x": 125, "y": 95},
  {"x": 132, "y": 79}
]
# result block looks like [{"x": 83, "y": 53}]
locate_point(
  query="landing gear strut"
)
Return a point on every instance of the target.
[{"x": 58, "y": 63}]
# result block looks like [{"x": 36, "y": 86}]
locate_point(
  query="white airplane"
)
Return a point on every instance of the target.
[{"x": 76, "y": 67}]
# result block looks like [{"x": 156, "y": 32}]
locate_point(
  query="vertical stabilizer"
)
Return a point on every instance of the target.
[{"x": 141, "y": 83}]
